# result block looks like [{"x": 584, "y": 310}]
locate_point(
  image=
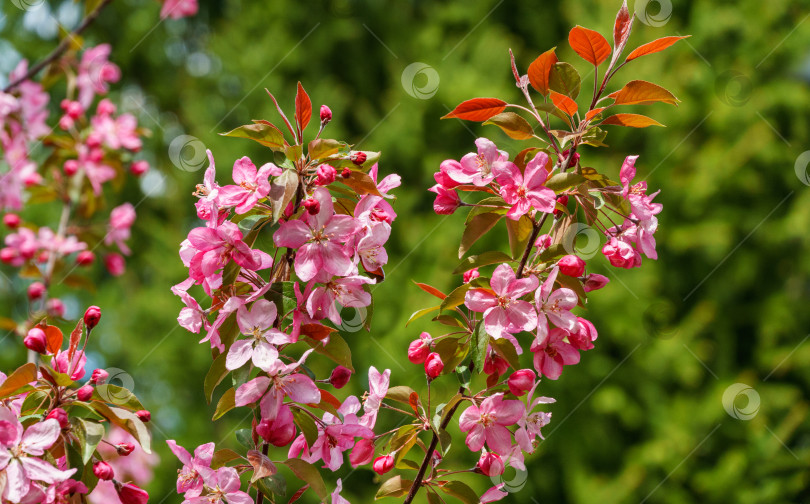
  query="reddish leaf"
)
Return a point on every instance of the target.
[
  {"x": 75, "y": 338},
  {"x": 262, "y": 466},
  {"x": 477, "y": 109},
  {"x": 621, "y": 30},
  {"x": 591, "y": 114},
  {"x": 316, "y": 331},
  {"x": 564, "y": 103},
  {"x": 329, "y": 398},
  {"x": 431, "y": 290},
  {"x": 297, "y": 495},
  {"x": 281, "y": 112},
  {"x": 539, "y": 70},
  {"x": 413, "y": 400},
  {"x": 303, "y": 108},
  {"x": 54, "y": 338},
  {"x": 24, "y": 375},
  {"x": 631, "y": 120},
  {"x": 642, "y": 92},
  {"x": 654, "y": 46},
  {"x": 589, "y": 44}
]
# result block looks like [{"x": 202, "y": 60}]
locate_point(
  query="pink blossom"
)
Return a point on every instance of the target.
[
  {"x": 531, "y": 422},
  {"x": 347, "y": 291},
  {"x": 552, "y": 352},
  {"x": 336, "y": 497},
  {"x": 317, "y": 239},
  {"x": 555, "y": 306},
  {"x": 177, "y": 9},
  {"x": 336, "y": 436},
  {"x": 595, "y": 281},
  {"x": 190, "y": 477},
  {"x": 477, "y": 168},
  {"x": 208, "y": 192},
  {"x": 116, "y": 133},
  {"x": 281, "y": 381},
  {"x": 494, "y": 494},
  {"x": 251, "y": 185},
  {"x": 217, "y": 246},
  {"x": 91, "y": 161},
  {"x": 261, "y": 348},
  {"x": 504, "y": 312},
  {"x": 371, "y": 247},
  {"x": 447, "y": 200},
  {"x": 377, "y": 389},
  {"x": 115, "y": 264},
  {"x": 73, "y": 368},
  {"x": 525, "y": 191},
  {"x": 621, "y": 254},
  {"x": 121, "y": 219},
  {"x": 20, "y": 451},
  {"x": 224, "y": 485},
  {"x": 488, "y": 423},
  {"x": 441, "y": 176},
  {"x": 584, "y": 335},
  {"x": 59, "y": 245},
  {"x": 192, "y": 317},
  {"x": 95, "y": 71}
]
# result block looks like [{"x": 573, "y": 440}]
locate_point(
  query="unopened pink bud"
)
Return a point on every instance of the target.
[
  {"x": 85, "y": 258},
  {"x": 346, "y": 173},
  {"x": 71, "y": 167},
  {"x": 84, "y": 393},
  {"x": 130, "y": 493},
  {"x": 434, "y": 365},
  {"x": 125, "y": 449},
  {"x": 419, "y": 349},
  {"x": 144, "y": 415},
  {"x": 572, "y": 266},
  {"x": 55, "y": 307},
  {"x": 139, "y": 167},
  {"x": 491, "y": 464},
  {"x": 11, "y": 220},
  {"x": 99, "y": 376},
  {"x": 471, "y": 275},
  {"x": 359, "y": 158},
  {"x": 91, "y": 317},
  {"x": 103, "y": 471},
  {"x": 36, "y": 290},
  {"x": 60, "y": 416},
  {"x": 115, "y": 264},
  {"x": 326, "y": 175},
  {"x": 383, "y": 464},
  {"x": 326, "y": 114},
  {"x": 36, "y": 340},
  {"x": 521, "y": 381},
  {"x": 543, "y": 241},
  {"x": 595, "y": 281},
  {"x": 340, "y": 377},
  {"x": 312, "y": 205}
]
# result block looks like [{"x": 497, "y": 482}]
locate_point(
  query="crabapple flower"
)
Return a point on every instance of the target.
[
  {"x": 572, "y": 265},
  {"x": 121, "y": 219},
  {"x": 447, "y": 200},
  {"x": 336, "y": 497},
  {"x": 504, "y": 313},
  {"x": 335, "y": 437},
  {"x": 317, "y": 238},
  {"x": 75, "y": 367},
  {"x": 494, "y": 494},
  {"x": 224, "y": 485},
  {"x": 377, "y": 389},
  {"x": 554, "y": 306},
  {"x": 252, "y": 185},
  {"x": 419, "y": 349},
  {"x": 490, "y": 464},
  {"x": 20, "y": 450},
  {"x": 383, "y": 464},
  {"x": 433, "y": 365},
  {"x": 621, "y": 254},
  {"x": 95, "y": 71},
  {"x": 521, "y": 381},
  {"x": 477, "y": 168},
  {"x": 261, "y": 348},
  {"x": 371, "y": 247},
  {"x": 195, "y": 469},
  {"x": 177, "y": 9},
  {"x": 595, "y": 281},
  {"x": 552, "y": 352},
  {"x": 487, "y": 423},
  {"x": 279, "y": 431},
  {"x": 130, "y": 493},
  {"x": 215, "y": 247},
  {"x": 348, "y": 291},
  {"x": 525, "y": 191},
  {"x": 531, "y": 422}
]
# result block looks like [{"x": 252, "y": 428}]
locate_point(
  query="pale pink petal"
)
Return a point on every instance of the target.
[
  {"x": 499, "y": 439},
  {"x": 181, "y": 453},
  {"x": 39, "y": 470},
  {"x": 476, "y": 438},
  {"x": 240, "y": 352},
  {"x": 252, "y": 391},
  {"x": 292, "y": 234},
  {"x": 479, "y": 300},
  {"x": 40, "y": 436}
]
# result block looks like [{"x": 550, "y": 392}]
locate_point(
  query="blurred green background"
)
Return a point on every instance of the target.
[{"x": 643, "y": 417}]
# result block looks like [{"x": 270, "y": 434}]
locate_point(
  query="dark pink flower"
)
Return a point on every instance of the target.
[
  {"x": 251, "y": 185},
  {"x": 487, "y": 423},
  {"x": 525, "y": 191},
  {"x": 504, "y": 313},
  {"x": 552, "y": 352}
]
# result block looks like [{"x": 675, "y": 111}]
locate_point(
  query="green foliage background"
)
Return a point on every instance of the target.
[{"x": 642, "y": 418}]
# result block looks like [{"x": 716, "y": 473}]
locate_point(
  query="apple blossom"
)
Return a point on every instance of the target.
[
  {"x": 487, "y": 423},
  {"x": 504, "y": 313}
]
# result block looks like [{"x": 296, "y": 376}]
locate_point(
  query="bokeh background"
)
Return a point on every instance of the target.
[{"x": 643, "y": 417}]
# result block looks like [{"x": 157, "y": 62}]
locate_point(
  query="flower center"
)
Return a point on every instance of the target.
[
  {"x": 521, "y": 192},
  {"x": 487, "y": 420},
  {"x": 551, "y": 351},
  {"x": 503, "y": 302},
  {"x": 247, "y": 185}
]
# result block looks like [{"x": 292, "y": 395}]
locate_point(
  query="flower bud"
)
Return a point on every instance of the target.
[
  {"x": 7, "y": 254},
  {"x": 595, "y": 281},
  {"x": 572, "y": 266},
  {"x": 115, "y": 264},
  {"x": 312, "y": 205},
  {"x": 340, "y": 377},
  {"x": 362, "y": 453},
  {"x": 521, "y": 381},
  {"x": 494, "y": 363},
  {"x": 91, "y": 317},
  {"x": 346, "y": 173},
  {"x": 326, "y": 114},
  {"x": 103, "y": 471},
  {"x": 55, "y": 307},
  {"x": 574, "y": 159},
  {"x": 36, "y": 290},
  {"x": 471, "y": 275},
  {"x": 60, "y": 416},
  {"x": 491, "y": 464},
  {"x": 85, "y": 258},
  {"x": 139, "y": 167},
  {"x": 99, "y": 376},
  {"x": 125, "y": 449},
  {"x": 419, "y": 349},
  {"x": 36, "y": 340},
  {"x": 281, "y": 430},
  {"x": 11, "y": 220},
  {"x": 130, "y": 493},
  {"x": 562, "y": 200},
  {"x": 543, "y": 241},
  {"x": 325, "y": 175},
  {"x": 383, "y": 464},
  {"x": 584, "y": 335},
  {"x": 433, "y": 365},
  {"x": 144, "y": 415},
  {"x": 84, "y": 393},
  {"x": 71, "y": 167},
  {"x": 358, "y": 158}
]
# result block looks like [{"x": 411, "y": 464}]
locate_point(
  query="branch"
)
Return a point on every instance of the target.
[
  {"x": 529, "y": 246},
  {"x": 60, "y": 49},
  {"x": 417, "y": 482}
]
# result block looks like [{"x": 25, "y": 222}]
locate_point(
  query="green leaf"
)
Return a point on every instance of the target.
[
  {"x": 455, "y": 298},
  {"x": 562, "y": 181},
  {"x": 226, "y": 403},
  {"x": 445, "y": 440},
  {"x": 565, "y": 79},
  {"x": 506, "y": 349},
  {"x": 475, "y": 229},
  {"x": 21, "y": 377},
  {"x": 360, "y": 182},
  {"x": 400, "y": 393},
  {"x": 420, "y": 313},
  {"x": 294, "y": 152},
  {"x": 262, "y": 132},
  {"x": 322, "y": 147},
  {"x": 519, "y": 232},
  {"x": 491, "y": 257},
  {"x": 117, "y": 395},
  {"x": 513, "y": 125},
  {"x": 460, "y": 491},
  {"x": 394, "y": 487},
  {"x": 273, "y": 485},
  {"x": 337, "y": 349},
  {"x": 89, "y": 435},
  {"x": 222, "y": 457},
  {"x": 478, "y": 347},
  {"x": 553, "y": 252},
  {"x": 245, "y": 438},
  {"x": 282, "y": 191},
  {"x": 215, "y": 375},
  {"x": 595, "y": 137},
  {"x": 283, "y": 295},
  {"x": 127, "y": 421},
  {"x": 306, "y": 424},
  {"x": 309, "y": 474}
]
